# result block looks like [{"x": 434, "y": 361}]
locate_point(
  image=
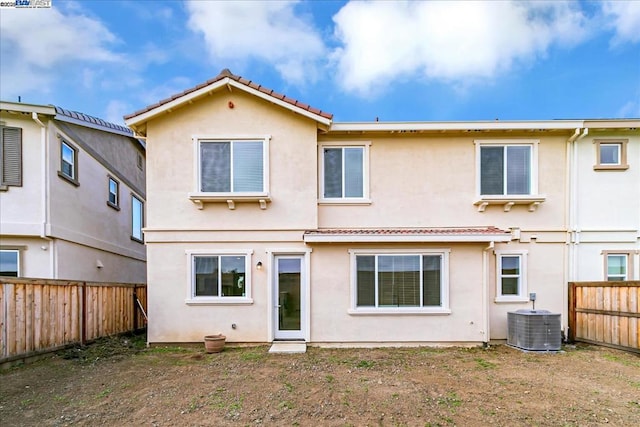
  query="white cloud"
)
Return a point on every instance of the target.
[
  {"x": 268, "y": 31},
  {"x": 39, "y": 45},
  {"x": 116, "y": 110},
  {"x": 624, "y": 18},
  {"x": 450, "y": 41}
]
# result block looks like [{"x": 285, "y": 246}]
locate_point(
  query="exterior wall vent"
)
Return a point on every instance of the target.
[{"x": 534, "y": 330}]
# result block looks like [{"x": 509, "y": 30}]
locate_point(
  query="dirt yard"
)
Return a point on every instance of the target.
[{"x": 119, "y": 382}]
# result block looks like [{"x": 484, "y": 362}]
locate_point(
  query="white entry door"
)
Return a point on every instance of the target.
[{"x": 289, "y": 297}]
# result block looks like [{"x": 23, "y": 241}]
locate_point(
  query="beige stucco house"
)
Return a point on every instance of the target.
[
  {"x": 72, "y": 196},
  {"x": 268, "y": 221}
]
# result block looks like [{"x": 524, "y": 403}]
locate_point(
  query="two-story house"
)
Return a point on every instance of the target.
[
  {"x": 267, "y": 221},
  {"x": 72, "y": 196}
]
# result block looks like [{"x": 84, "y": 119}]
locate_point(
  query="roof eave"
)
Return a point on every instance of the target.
[
  {"x": 136, "y": 121},
  {"x": 20, "y": 107},
  {"x": 455, "y": 126},
  {"x": 438, "y": 238}
]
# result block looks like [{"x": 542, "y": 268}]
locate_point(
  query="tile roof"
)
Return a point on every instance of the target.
[
  {"x": 93, "y": 121},
  {"x": 228, "y": 74},
  {"x": 441, "y": 231}
]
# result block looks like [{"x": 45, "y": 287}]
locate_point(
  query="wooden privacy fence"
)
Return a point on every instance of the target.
[
  {"x": 605, "y": 313},
  {"x": 41, "y": 315}
]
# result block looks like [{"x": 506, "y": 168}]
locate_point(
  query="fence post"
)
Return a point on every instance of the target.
[
  {"x": 83, "y": 320},
  {"x": 571, "y": 336},
  {"x": 135, "y": 308}
]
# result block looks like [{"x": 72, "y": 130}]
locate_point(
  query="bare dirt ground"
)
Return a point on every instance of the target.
[{"x": 119, "y": 382}]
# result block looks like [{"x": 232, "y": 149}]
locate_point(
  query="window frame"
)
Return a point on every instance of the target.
[
  {"x": 198, "y": 140},
  {"x": 192, "y": 299},
  {"x": 115, "y": 205},
  {"x": 622, "y": 164},
  {"x": 522, "y": 295},
  {"x": 17, "y": 252},
  {"x": 15, "y": 181},
  {"x": 134, "y": 237},
  {"x": 365, "y": 199},
  {"x": 74, "y": 166},
  {"x": 629, "y": 261},
  {"x": 444, "y": 308}
]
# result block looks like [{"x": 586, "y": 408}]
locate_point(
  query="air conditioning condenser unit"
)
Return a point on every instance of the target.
[{"x": 534, "y": 330}]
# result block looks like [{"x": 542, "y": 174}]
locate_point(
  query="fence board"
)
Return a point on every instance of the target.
[
  {"x": 39, "y": 315},
  {"x": 606, "y": 313}
]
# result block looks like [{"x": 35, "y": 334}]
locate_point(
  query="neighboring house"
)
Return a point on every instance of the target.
[
  {"x": 268, "y": 221},
  {"x": 71, "y": 198},
  {"x": 605, "y": 207}
]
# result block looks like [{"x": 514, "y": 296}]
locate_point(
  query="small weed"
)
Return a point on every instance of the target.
[
  {"x": 484, "y": 363},
  {"x": 366, "y": 364},
  {"x": 252, "y": 355},
  {"x": 26, "y": 402},
  {"x": 288, "y": 387},
  {"x": 329, "y": 378},
  {"x": 104, "y": 393},
  {"x": 451, "y": 400},
  {"x": 285, "y": 404}
]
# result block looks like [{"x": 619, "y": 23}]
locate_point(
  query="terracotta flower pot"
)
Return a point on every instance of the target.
[{"x": 214, "y": 343}]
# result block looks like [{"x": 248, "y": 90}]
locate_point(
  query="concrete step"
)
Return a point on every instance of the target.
[{"x": 288, "y": 347}]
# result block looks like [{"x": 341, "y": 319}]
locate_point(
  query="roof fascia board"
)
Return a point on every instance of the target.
[
  {"x": 225, "y": 82},
  {"x": 402, "y": 239},
  {"x": 455, "y": 126},
  {"x": 28, "y": 108},
  {"x": 613, "y": 123}
]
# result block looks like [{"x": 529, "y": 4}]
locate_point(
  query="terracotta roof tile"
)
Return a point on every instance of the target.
[
  {"x": 226, "y": 73},
  {"x": 445, "y": 231}
]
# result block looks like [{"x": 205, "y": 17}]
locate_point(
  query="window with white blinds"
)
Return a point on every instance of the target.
[
  {"x": 234, "y": 166},
  {"x": 389, "y": 280},
  {"x": 505, "y": 170}
]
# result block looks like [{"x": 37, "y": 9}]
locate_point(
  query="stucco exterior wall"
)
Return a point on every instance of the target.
[
  {"x": 607, "y": 207},
  {"x": 21, "y": 208},
  {"x": 171, "y": 169},
  {"x": 430, "y": 181},
  {"x": 78, "y": 262},
  {"x": 35, "y": 255}
]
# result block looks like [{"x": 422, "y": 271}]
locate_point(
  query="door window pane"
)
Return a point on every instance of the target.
[{"x": 289, "y": 297}]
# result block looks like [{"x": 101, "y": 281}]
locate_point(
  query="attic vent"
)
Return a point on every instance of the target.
[{"x": 534, "y": 330}]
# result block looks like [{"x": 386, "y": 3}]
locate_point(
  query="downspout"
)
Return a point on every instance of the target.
[
  {"x": 44, "y": 197},
  {"x": 485, "y": 294},
  {"x": 573, "y": 238}
]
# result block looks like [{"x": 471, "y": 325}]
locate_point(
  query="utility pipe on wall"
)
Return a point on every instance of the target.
[
  {"x": 44, "y": 197},
  {"x": 485, "y": 293}
]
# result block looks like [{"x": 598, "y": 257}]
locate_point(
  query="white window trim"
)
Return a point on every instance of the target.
[
  {"x": 133, "y": 212},
  {"x": 115, "y": 205},
  {"x": 200, "y": 197},
  {"x": 191, "y": 299},
  {"x": 628, "y": 260},
  {"x": 19, "y": 273},
  {"x": 444, "y": 309},
  {"x": 523, "y": 295},
  {"x": 365, "y": 199},
  {"x": 533, "y": 199}
]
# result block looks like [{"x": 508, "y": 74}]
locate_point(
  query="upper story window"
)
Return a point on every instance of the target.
[
  {"x": 10, "y": 263},
  {"x": 219, "y": 277},
  {"x": 68, "y": 162},
  {"x": 505, "y": 169},
  {"x": 114, "y": 193},
  {"x": 10, "y": 157},
  {"x": 507, "y": 173},
  {"x": 398, "y": 281},
  {"x": 511, "y": 274},
  {"x": 611, "y": 154},
  {"x": 236, "y": 166},
  {"x": 137, "y": 218},
  {"x": 344, "y": 173}
]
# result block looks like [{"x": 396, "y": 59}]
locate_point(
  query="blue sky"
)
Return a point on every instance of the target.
[{"x": 395, "y": 60}]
